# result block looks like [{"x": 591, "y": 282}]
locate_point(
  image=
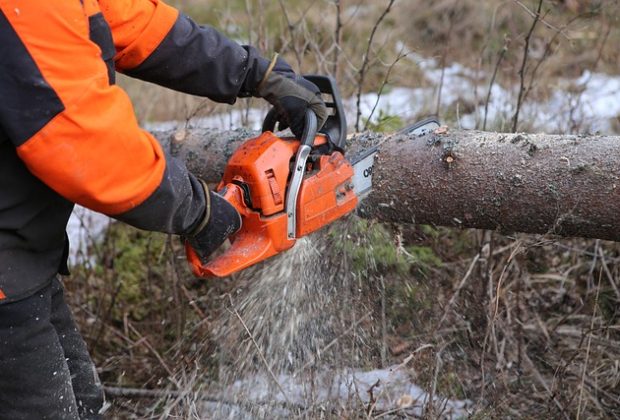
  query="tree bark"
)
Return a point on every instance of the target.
[{"x": 536, "y": 183}]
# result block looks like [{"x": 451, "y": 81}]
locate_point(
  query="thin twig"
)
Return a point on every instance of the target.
[
  {"x": 337, "y": 37},
  {"x": 161, "y": 360},
  {"x": 491, "y": 325},
  {"x": 396, "y": 368},
  {"x": 519, "y": 322},
  {"x": 513, "y": 254},
  {"x": 577, "y": 101},
  {"x": 458, "y": 289},
  {"x": 538, "y": 376},
  {"x": 291, "y": 29},
  {"x": 526, "y": 51},
  {"x": 500, "y": 58},
  {"x": 365, "y": 62},
  {"x": 545, "y": 55},
  {"x": 383, "y": 324},
  {"x": 331, "y": 343},
  {"x": 589, "y": 345},
  {"x": 445, "y": 54},
  {"x": 401, "y": 55},
  {"x": 610, "y": 277},
  {"x": 395, "y": 411},
  {"x": 123, "y": 392},
  {"x": 430, "y": 404},
  {"x": 543, "y": 21}
]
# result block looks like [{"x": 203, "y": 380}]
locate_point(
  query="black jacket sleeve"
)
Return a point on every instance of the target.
[{"x": 201, "y": 61}]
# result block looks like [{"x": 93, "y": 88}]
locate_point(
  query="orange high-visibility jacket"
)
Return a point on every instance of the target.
[{"x": 69, "y": 135}]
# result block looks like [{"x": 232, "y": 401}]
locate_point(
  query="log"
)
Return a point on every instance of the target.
[{"x": 566, "y": 185}]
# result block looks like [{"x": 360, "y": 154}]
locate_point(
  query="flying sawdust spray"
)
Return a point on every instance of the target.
[{"x": 296, "y": 307}]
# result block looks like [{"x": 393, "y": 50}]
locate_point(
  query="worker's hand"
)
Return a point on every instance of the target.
[
  {"x": 221, "y": 220},
  {"x": 291, "y": 95}
]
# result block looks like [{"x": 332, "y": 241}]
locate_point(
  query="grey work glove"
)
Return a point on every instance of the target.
[
  {"x": 291, "y": 95},
  {"x": 221, "y": 220}
]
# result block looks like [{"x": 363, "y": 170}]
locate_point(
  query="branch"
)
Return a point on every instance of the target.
[
  {"x": 362, "y": 71},
  {"x": 526, "y": 51}
]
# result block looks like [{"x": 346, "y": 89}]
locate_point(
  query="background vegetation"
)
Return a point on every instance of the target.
[{"x": 523, "y": 326}]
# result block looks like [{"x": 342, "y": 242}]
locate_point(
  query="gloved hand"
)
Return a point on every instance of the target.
[
  {"x": 291, "y": 95},
  {"x": 221, "y": 220}
]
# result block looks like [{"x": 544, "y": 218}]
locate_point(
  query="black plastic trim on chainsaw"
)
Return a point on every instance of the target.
[
  {"x": 335, "y": 128},
  {"x": 247, "y": 197}
]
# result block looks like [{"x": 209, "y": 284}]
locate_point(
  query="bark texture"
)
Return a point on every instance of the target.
[{"x": 557, "y": 184}]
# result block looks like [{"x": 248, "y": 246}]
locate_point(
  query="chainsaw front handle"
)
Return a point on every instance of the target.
[
  {"x": 335, "y": 127},
  {"x": 310, "y": 126}
]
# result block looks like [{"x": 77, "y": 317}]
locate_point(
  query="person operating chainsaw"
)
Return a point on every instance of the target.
[{"x": 68, "y": 135}]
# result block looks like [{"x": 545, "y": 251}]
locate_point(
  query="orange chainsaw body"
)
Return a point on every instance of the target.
[{"x": 256, "y": 180}]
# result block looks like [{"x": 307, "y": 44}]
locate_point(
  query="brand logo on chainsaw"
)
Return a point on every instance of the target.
[{"x": 368, "y": 171}]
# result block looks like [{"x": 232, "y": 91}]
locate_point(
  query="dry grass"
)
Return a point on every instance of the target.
[
  {"x": 533, "y": 332},
  {"x": 523, "y": 326}
]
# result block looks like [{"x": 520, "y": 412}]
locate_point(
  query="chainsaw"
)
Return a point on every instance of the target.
[{"x": 286, "y": 188}]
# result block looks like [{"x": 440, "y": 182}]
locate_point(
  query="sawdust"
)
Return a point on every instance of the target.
[
  {"x": 296, "y": 308},
  {"x": 314, "y": 340},
  {"x": 286, "y": 306}
]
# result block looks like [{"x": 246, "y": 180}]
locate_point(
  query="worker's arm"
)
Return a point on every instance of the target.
[
  {"x": 156, "y": 43},
  {"x": 76, "y": 132}
]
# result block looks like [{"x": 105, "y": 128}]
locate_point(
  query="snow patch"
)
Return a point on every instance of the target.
[
  {"x": 85, "y": 229},
  {"x": 392, "y": 390}
]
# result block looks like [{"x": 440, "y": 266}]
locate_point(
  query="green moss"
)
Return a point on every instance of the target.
[
  {"x": 373, "y": 247},
  {"x": 369, "y": 247},
  {"x": 136, "y": 259},
  {"x": 430, "y": 231},
  {"x": 450, "y": 385},
  {"x": 423, "y": 258}
]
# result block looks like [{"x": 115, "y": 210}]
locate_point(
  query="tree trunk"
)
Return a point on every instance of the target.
[{"x": 536, "y": 183}]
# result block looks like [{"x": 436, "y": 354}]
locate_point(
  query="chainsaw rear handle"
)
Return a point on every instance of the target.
[{"x": 257, "y": 240}]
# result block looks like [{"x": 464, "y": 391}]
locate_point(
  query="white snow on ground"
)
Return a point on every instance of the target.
[
  {"x": 85, "y": 228},
  {"x": 586, "y": 104},
  {"x": 392, "y": 390}
]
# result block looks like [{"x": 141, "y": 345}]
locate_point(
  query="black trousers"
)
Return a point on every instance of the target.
[{"x": 45, "y": 369}]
